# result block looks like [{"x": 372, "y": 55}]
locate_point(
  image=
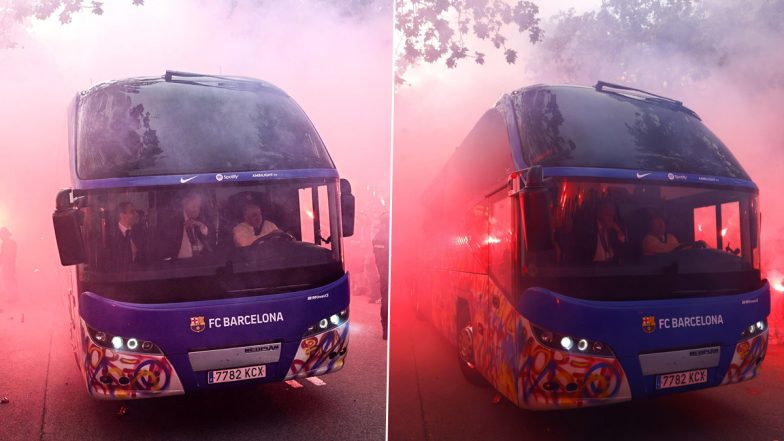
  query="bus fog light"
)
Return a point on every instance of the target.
[
  {"x": 597, "y": 347},
  {"x": 133, "y": 343},
  {"x": 547, "y": 337},
  {"x": 101, "y": 337},
  {"x": 582, "y": 344},
  {"x": 567, "y": 343},
  {"x": 146, "y": 345},
  {"x": 117, "y": 342}
]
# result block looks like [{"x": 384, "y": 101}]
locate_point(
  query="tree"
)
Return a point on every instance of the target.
[
  {"x": 16, "y": 12},
  {"x": 663, "y": 43},
  {"x": 431, "y": 31}
]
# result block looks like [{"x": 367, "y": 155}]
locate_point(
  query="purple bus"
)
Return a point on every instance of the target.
[{"x": 205, "y": 229}]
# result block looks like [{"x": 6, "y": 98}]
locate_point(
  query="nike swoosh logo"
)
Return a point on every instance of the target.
[
  {"x": 183, "y": 180},
  {"x": 642, "y": 175}
]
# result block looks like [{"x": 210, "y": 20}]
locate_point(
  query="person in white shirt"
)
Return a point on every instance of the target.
[
  {"x": 658, "y": 240},
  {"x": 253, "y": 227}
]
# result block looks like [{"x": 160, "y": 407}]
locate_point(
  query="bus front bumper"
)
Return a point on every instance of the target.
[{"x": 114, "y": 374}]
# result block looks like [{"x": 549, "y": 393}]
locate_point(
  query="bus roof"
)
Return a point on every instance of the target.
[
  {"x": 613, "y": 127},
  {"x": 601, "y": 132},
  {"x": 138, "y": 131}
]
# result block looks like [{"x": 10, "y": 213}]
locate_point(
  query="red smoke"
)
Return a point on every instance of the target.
[{"x": 336, "y": 65}]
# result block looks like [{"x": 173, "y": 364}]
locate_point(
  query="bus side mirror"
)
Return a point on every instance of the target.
[
  {"x": 536, "y": 209},
  {"x": 67, "y": 230},
  {"x": 347, "y": 208}
]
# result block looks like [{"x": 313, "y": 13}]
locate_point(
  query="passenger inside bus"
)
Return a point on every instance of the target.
[
  {"x": 254, "y": 227},
  {"x": 658, "y": 240},
  {"x": 604, "y": 241},
  {"x": 126, "y": 240},
  {"x": 188, "y": 233}
]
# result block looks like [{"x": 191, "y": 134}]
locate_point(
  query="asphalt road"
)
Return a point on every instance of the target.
[
  {"x": 430, "y": 400},
  {"x": 47, "y": 400}
]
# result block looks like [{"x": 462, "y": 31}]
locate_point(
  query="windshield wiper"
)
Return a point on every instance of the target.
[
  {"x": 232, "y": 83},
  {"x": 651, "y": 97}
]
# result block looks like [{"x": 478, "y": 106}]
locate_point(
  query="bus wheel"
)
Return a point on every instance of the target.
[{"x": 465, "y": 356}]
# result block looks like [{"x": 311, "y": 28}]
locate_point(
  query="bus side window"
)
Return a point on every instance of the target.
[
  {"x": 314, "y": 216},
  {"x": 306, "y": 214},
  {"x": 730, "y": 227},
  {"x": 705, "y": 225},
  {"x": 324, "y": 213},
  {"x": 500, "y": 241},
  {"x": 476, "y": 237}
]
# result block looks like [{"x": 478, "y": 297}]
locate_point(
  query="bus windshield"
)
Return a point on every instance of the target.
[
  {"x": 579, "y": 127},
  {"x": 223, "y": 241},
  {"x": 146, "y": 127},
  {"x": 667, "y": 240}
]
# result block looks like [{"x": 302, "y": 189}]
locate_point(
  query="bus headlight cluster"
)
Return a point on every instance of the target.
[
  {"x": 569, "y": 343},
  {"x": 754, "y": 329},
  {"x": 119, "y": 343},
  {"x": 327, "y": 323}
]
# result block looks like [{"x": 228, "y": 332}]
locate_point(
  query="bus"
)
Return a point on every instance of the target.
[
  {"x": 593, "y": 245},
  {"x": 203, "y": 232}
]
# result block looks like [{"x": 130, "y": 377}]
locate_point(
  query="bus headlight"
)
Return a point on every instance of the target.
[
  {"x": 754, "y": 329},
  {"x": 116, "y": 342},
  {"x": 562, "y": 342},
  {"x": 328, "y": 323}
]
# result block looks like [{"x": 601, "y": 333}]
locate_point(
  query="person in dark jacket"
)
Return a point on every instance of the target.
[
  {"x": 381, "y": 251},
  {"x": 126, "y": 243}
]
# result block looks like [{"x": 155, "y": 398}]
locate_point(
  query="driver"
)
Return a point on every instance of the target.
[
  {"x": 253, "y": 227},
  {"x": 658, "y": 240}
]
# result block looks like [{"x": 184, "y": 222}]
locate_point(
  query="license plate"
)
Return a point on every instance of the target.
[
  {"x": 679, "y": 379},
  {"x": 236, "y": 374}
]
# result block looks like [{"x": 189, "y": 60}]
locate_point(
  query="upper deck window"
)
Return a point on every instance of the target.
[
  {"x": 145, "y": 127},
  {"x": 580, "y": 127}
]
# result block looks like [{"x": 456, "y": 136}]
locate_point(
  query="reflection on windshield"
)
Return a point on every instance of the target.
[
  {"x": 271, "y": 233},
  {"x": 119, "y": 131},
  {"x": 150, "y": 127},
  {"x": 579, "y": 127}
]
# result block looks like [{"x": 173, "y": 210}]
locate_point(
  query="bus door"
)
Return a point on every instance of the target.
[{"x": 500, "y": 317}]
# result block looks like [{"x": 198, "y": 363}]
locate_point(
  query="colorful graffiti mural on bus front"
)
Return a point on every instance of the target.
[
  {"x": 319, "y": 354},
  {"x": 110, "y": 374}
]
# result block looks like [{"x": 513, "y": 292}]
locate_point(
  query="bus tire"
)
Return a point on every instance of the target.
[{"x": 465, "y": 350}]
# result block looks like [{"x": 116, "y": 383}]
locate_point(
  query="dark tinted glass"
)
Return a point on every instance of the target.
[
  {"x": 580, "y": 127},
  {"x": 151, "y": 127},
  {"x": 619, "y": 241}
]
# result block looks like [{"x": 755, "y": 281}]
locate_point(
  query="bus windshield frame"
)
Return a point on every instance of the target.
[
  {"x": 661, "y": 240},
  {"x": 297, "y": 246}
]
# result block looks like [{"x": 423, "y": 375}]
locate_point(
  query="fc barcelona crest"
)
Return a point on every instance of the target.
[
  {"x": 648, "y": 324},
  {"x": 197, "y": 323}
]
